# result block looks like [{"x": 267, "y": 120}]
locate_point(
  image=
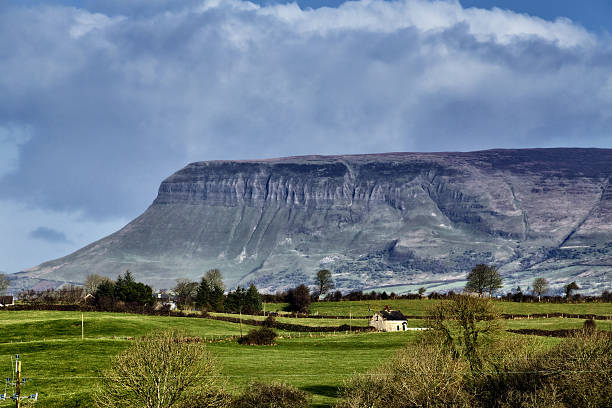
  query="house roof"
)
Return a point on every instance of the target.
[
  {"x": 392, "y": 315},
  {"x": 6, "y": 300}
]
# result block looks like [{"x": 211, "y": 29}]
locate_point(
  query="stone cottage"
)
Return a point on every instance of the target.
[{"x": 389, "y": 320}]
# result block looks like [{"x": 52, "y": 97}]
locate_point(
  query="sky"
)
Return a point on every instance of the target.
[{"x": 100, "y": 100}]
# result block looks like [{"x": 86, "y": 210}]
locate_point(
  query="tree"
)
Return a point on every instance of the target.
[
  {"x": 209, "y": 294},
  {"x": 244, "y": 301},
  {"x": 324, "y": 281},
  {"x": 93, "y": 281},
  {"x": 105, "y": 289},
  {"x": 4, "y": 283},
  {"x": 483, "y": 278},
  {"x": 186, "y": 291},
  {"x": 299, "y": 299},
  {"x": 253, "y": 304},
  {"x": 128, "y": 290},
  {"x": 163, "y": 370},
  {"x": 540, "y": 285},
  {"x": 464, "y": 324},
  {"x": 214, "y": 278},
  {"x": 569, "y": 288},
  {"x": 421, "y": 291},
  {"x": 235, "y": 301}
]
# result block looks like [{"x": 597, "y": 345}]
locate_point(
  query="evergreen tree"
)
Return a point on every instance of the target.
[
  {"x": 203, "y": 295},
  {"x": 235, "y": 301},
  {"x": 209, "y": 294},
  {"x": 253, "y": 303}
]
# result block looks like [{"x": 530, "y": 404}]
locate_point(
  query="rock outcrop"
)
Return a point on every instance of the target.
[{"x": 397, "y": 221}]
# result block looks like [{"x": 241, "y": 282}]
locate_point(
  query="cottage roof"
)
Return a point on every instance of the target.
[
  {"x": 392, "y": 315},
  {"x": 6, "y": 300}
]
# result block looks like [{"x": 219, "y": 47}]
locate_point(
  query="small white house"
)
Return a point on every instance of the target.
[{"x": 389, "y": 321}]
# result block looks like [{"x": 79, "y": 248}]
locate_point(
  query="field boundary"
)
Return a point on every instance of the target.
[
  {"x": 291, "y": 326},
  {"x": 151, "y": 312}
]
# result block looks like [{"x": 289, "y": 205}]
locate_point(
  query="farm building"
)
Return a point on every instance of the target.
[
  {"x": 7, "y": 301},
  {"x": 389, "y": 320}
]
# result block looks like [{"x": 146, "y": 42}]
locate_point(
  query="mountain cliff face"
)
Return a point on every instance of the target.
[{"x": 396, "y": 221}]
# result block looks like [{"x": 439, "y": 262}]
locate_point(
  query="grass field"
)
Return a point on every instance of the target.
[
  {"x": 419, "y": 307},
  {"x": 64, "y": 369}
]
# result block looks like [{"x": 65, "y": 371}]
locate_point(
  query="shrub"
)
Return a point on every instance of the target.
[
  {"x": 272, "y": 395},
  {"x": 589, "y": 326},
  {"x": 466, "y": 324},
  {"x": 421, "y": 375},
  {"x": 575, "y": 373},
  {"x": 270, "y": 321},
  {"x": 259, "y": 337},
  {"x": 163, "y": 370}
]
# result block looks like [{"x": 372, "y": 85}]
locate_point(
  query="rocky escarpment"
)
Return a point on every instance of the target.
[{"x": 398, "y": 220}]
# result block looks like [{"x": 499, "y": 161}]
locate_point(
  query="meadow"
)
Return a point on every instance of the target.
[
  {"x": 419, "y": 307},
  {"x": 64, "y": 369}
]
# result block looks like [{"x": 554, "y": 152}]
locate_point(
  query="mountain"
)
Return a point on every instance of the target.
[{"x": 396, "y": 221}]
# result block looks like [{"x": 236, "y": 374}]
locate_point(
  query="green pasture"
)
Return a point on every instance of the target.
[
  {"x": 419, "y": 307},
  {"x": 64, "y": 369},
  {"x": 553, "y": 324},
  {"x": 306, "y": 321}
]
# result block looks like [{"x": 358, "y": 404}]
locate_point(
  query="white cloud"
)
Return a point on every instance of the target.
[
  {"x": 115, "y": 102},
  {"x": 497, "y": 25},
  {"x": 85, "y": 22}
]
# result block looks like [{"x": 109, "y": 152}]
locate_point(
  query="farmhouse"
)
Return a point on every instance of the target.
[
  {"x": 389, "y": 320},
  {"x": 7, "y": 301}
]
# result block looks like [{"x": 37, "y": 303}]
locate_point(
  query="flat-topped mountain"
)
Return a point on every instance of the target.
[{"x": 396, "y": 220}]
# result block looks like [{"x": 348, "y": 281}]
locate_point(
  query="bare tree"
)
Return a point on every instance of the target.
[
  {"x": 163, "y": 370},
  {"x": 4, "y": 283},
  {"x": 186, "y": 291},
  {"x": 540, "y": 285},
  {"x": 93, "y": 281},
  {"x": 324, "y": 281},
  {"x": 214, "y": 278}
]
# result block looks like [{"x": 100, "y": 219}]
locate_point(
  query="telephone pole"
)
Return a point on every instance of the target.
[{"x": 17, "y": 382}]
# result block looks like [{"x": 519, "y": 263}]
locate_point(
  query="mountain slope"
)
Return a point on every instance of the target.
[{"x": 396, "y": 220}]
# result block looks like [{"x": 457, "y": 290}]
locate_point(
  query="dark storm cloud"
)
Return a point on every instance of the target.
[
  {"x": 117, "y": 97},
  {"x": 49, "y": 235}
]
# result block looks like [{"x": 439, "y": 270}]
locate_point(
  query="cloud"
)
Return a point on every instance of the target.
[
  {"x": 30, "y": 236},
  {"x": 48, "y": 234},
  {"x": 102, "y": 102},
  {"x": 12, "y": 136}
]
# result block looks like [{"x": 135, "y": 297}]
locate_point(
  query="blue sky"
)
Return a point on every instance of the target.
[{"x": 101, "y": 100}]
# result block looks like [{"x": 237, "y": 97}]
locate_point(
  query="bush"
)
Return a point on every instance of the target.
[
  {"x": 272, "y": 395},
  {"x": 575, "y": 373},
  {"x": 259, "y": 337},
  {"x": 589, "y": 326},
  {"x": 467, "y": 324},
  {"x": 162, "y": 370},
  {"x": 270, "y": 321},
  {"x": 421, "y": 375}
]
